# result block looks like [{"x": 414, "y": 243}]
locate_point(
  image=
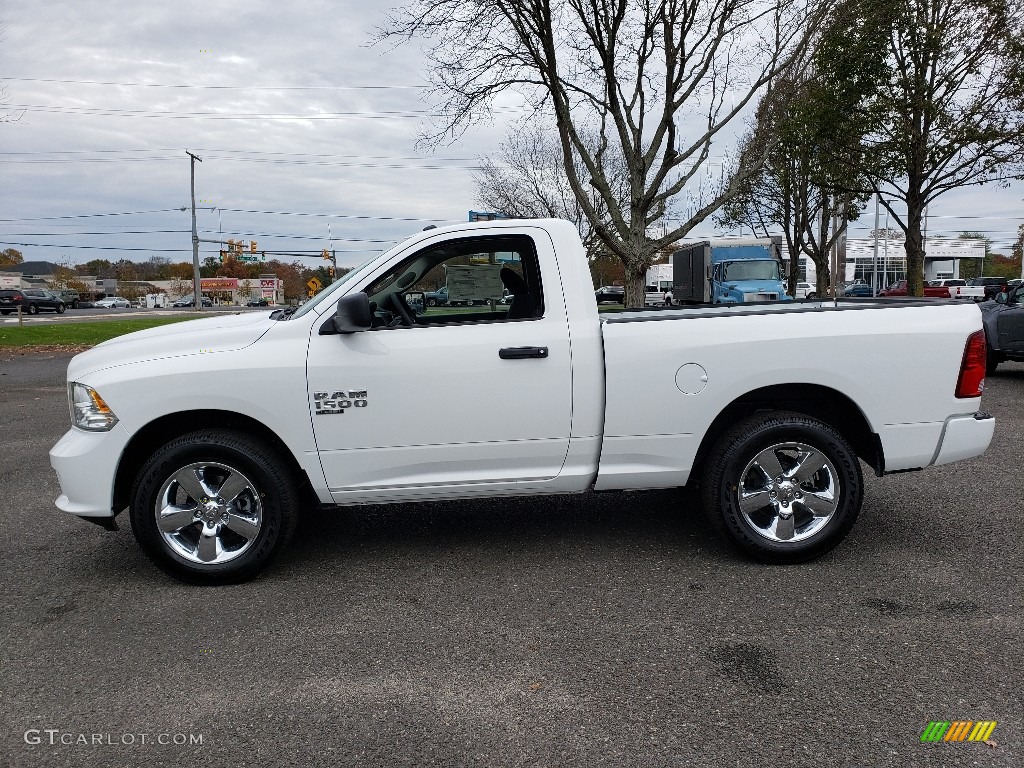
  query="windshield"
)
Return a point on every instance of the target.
[
  {"x": 752, "y": 270},
  {"x": 332, "y": 289}
]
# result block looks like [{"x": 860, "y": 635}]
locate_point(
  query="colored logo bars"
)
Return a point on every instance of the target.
[{"x": 959, "y": 730}]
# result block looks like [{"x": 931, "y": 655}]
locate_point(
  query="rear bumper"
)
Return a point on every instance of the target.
[{"x": 965, "y": 437}]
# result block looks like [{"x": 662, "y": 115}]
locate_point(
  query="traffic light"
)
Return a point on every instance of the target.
[
  {"x": 252, "y": 246},
  {"x": 330, "y": 271},
  {"x": 222, "y": 255},
  {"x": 326, "y": 254}
]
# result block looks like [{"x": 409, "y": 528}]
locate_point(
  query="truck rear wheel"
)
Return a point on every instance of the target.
[
  {"x": 213, "y": 507},
  {"x": 785, "y": 488}
]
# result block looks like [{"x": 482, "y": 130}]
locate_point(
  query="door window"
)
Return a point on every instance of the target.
[{"x": 471, "y": 280}]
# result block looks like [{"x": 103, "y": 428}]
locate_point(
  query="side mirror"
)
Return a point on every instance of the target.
[{"x": 352, "y": 315}]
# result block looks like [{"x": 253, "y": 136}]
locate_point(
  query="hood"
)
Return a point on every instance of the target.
[{"x": 222, "y": 333}]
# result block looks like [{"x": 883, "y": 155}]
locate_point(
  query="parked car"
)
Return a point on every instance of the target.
[
  {"x": 990, "y": 287},
  {"x": 114, "y": 302},
  {"x": 899, "y": 288},
  {"x": 1004, "y": 327},
  {"x": 858, "y": 290},
  {"x": 805, "y": 291},
  {"x": 610, "y": 294},
  {"x": 71, "y": 298},
  {"x": 940, "y": 289},
  {"x": 190, "y": 301},
  {"x": 31, "y": 300},
  {"x": 438, "y": 298},
  {"x": 257, "y": 303}
]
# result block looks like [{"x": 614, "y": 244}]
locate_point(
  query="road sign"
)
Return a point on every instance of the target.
[{"x": 314, "y": 284}]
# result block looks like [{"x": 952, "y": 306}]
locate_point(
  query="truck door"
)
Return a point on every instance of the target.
[
  {"x": 1010, "y": 323},
  {"x": 460, "y": 401}
]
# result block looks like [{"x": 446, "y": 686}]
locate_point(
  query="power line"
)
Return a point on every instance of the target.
[
  {"x": 241, "y": 152},
  {"x": 228, "y": 210},
  {"x": 294, "y": 251},
  {"x": 253, "y": 235},
  {"x": 269, "y": 161},
  {"x": 219, "y": 87},
  {"x": 93, "y": 215},
  {"x": 107, "y": 234},
  {"x": 357, "y": 115}
]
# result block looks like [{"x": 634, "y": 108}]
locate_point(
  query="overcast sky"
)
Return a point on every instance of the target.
[{"x": 302, "y": 127}]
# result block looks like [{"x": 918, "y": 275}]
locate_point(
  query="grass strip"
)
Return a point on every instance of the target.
[{"x": 76, "y": 333}]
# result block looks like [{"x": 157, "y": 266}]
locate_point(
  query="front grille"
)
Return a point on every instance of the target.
[{"x": 760, "y": 297}]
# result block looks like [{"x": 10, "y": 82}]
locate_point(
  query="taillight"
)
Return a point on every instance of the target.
[{"x": 971, "y": 382}]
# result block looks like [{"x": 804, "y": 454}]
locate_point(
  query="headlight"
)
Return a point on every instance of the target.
[{"x": 88, "y": 411}]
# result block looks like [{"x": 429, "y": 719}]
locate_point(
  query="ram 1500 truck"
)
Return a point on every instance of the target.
[{"x": 214, "y": 433}]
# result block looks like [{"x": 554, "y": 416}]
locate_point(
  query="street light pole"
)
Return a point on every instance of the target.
[{"x": 197, "y": 293}]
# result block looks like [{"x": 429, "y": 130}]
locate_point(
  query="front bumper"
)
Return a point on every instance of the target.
[
  {"x": 86, "y": 465},
  {"x": 965, "y": 437}
]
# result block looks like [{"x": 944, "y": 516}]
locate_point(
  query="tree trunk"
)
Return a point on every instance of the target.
[
  {"x": 636, "y": 276},
  {"x": 914, "y": 244},
  {"x": 824, "y": 276}
]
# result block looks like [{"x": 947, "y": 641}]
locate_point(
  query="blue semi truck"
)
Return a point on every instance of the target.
[{"x": 728, "y": 271}]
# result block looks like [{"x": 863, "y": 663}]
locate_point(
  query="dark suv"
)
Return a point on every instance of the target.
[{"x": 31, "y": 300}]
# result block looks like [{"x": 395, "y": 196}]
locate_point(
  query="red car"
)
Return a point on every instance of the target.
[{"x": 936, "y": 289}]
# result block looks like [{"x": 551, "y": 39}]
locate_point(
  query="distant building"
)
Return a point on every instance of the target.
[
  {"x": 33, "y": 269},
  {"x": 941, "y": 260}
]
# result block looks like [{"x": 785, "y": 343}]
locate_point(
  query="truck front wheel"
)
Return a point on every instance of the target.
[
  {"x": 213, "y": 507},
  {"x": 784, "y": 487}
]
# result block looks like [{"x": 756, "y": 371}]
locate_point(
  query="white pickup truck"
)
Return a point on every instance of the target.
[{"x": 216, "y": 433}]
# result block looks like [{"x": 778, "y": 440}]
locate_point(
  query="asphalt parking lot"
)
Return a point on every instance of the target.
[{"x": 597, "y": 630}]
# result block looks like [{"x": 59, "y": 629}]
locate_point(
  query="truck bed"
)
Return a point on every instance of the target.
[{"x": 886, "y": 362}]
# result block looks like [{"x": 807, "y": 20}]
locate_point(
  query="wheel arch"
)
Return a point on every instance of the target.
[
  {"x": 814, "y": 400},
  {"x": 166, "y": 428}
]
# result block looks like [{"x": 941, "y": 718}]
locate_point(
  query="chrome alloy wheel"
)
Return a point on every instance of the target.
[
  {"x": 789, "y": 492},
  {"x": 208, "y": 513}
]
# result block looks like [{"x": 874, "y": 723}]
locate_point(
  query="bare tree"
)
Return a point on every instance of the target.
[
  {"x": 527, "y": 179},
  {"x": 953, "y": 115},
  {"x": 655, "y": 80}
]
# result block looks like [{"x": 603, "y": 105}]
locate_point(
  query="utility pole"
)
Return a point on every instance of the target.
[
  {"x": 874, "y": 264},
  {"x": 197, "y": 292}
]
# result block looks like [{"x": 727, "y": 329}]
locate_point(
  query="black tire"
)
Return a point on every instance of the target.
[
  {"x": 431, "y": 302},
  {"x": 811, "y": 296},
  {"x": 60, "y": 309},
  {"x": 737, "y": 466},
  {"x": 251, "y": 527},
  {"x": 6, "y": 311},
  {"x": 33, "y": 309},
  {"x": 74, "y": 304}
]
